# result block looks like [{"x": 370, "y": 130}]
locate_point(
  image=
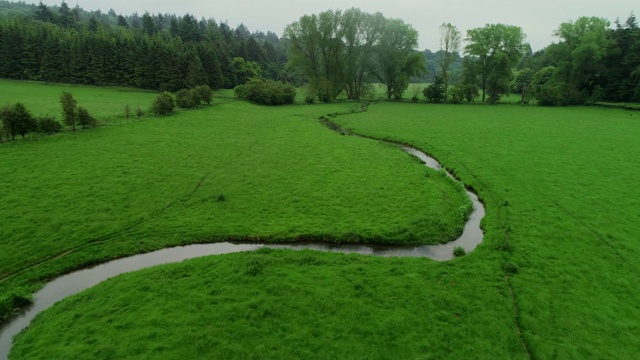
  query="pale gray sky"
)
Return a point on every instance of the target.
[{"x": 538, "y": 18}]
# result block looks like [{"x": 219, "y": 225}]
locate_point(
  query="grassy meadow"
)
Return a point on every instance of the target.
[
  {"x": 555, "y": 277},
  {"x": 285, "y": 304},
  {"x": 232, "y": 171},
  {"x": 105, "y": 104},
  {"x": 560, "y": 185}
]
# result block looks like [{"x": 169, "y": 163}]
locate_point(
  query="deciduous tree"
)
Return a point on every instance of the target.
[
  {"x": 163, "y": 104},
  {"x": 450, "y": 39},
  {"x": 69, "y": 115},
  {"x": 584, "y": 44},
  {"x": 496, "y": 49},
  {"x": 522, "y": 83},
  {"x": 17, "y": 120},
  {"x": 340, "y": 51},
  {"x": 397, "y": 58}
]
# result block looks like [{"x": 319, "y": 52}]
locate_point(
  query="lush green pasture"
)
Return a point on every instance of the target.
[
  {"x": 285, "y": 304},
  {"x": 562, "y": 185},
  {"x": 233, "y": 171},
  {"x": 556, "y": 276},
  {"x": 105, "y": 104}
]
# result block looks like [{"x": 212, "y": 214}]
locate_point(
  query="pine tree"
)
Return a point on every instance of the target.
[
  {"x": 43, "y": 13},
  {"x": 93, "y": 24},
  {"x": 67, "y": 19},
  {"x": 196, "y": 74}
]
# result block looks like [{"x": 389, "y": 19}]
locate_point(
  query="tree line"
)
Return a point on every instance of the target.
[
  {"x": 155, "y": 51},
  {"x": 336, "y": 52},
  {"x": 592, "y": 61}
]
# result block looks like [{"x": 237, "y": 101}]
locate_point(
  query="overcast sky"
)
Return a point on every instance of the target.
[{"x": 538, "y": 18}]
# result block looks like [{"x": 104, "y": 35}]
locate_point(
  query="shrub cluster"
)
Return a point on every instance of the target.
[
  {"x": 163, "y": 104},
  {"x": 266, "y": 92},
  {"x": 459, "y": 251},
  {"x": 85, "y": 119},
  {"x": 191, "y": 98},
  {"x": 49, "y": 125},
  {"x": 17, "y": 120},
  {"x": 435, "y": 92},
  {"x": 73, "y": 115},
  {"x": 12, "y": 301},
  {"x": 462, "y": 92}
]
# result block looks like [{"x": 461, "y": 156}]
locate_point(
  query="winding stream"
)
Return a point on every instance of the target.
[{"x": 75, "y": 282}]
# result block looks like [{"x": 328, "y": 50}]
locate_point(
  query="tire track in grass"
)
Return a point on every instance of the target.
[
  {"x": 503, "y": 224},
  {"x": 597, "y": 235},
  {"x": 503, "y": 221}
]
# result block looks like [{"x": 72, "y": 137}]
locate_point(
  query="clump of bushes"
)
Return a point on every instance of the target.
[
  {"x": 186, "y": 99},
  {"x": 49, "y": 125},
  {"x": 139, "y": 112},
  {"x": 10, "y": 302},
  {"x": 266, "y": 92},
  {"x": 203, "y": 93},
  {"x": 459, "y": 251},
  {"x": 462, "y": 92},
  {"x": 511, "y": 268},
  {"x": 191, "y": 98},
  {"x": 163, "y": 104},
  {"x": 548, "y": 95},
  {"x": 72, "y": 114},
  {"x": 17, "y": 120},
  {"x": 435, "y": 92},
  {"x": 85, "y": 119}
]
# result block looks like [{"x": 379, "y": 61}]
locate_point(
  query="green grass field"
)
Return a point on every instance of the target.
[
  {"x": 562, "y": 185},
  {"x": 97, "y": 194},
  {"x": 285, "y": 304},
  {"x": 555, "y": 277},
  {"x": 105, "y": 104}
]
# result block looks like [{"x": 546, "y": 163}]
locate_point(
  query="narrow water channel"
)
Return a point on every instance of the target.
[{"x": 75, "y": 282}]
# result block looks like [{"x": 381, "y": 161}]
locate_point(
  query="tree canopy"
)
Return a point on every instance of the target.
[
  {"x": 495, "y": 49},
  {"x": 152, "y": 51},
  {"x": 334, "y": 52},
  {"x": 338, "y": 51},
  {"x": 450, "y": 39}
]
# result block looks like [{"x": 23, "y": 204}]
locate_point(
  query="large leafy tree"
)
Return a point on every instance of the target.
[
  {"x": 361, "y": 33},
  {"x": 314, "y": 48},
  {"x": 584, "y": 44},
  {"x": 496, "y": 49},
  {"x": 340, "y": 51},
  {"x": 397, "y": 58}
]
